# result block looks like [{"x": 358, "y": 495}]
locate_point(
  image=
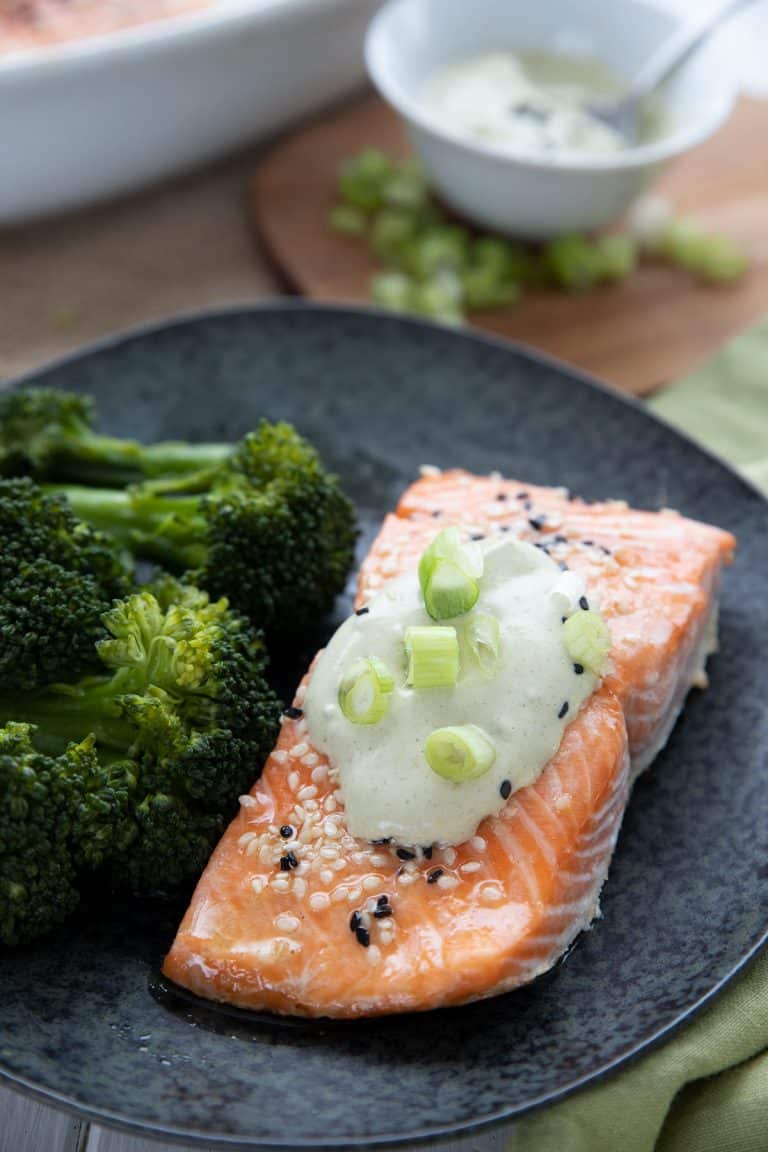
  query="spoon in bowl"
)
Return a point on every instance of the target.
[{"x": 622, "y": 114}]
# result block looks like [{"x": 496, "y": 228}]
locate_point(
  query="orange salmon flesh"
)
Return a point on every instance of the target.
[{"x": 294, "y": 915}]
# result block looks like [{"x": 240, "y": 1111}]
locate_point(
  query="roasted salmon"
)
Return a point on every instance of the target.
[{"x": 294, "y": 915}]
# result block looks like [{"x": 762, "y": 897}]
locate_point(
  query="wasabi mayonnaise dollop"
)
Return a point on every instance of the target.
[
  {"x": 532, "y": 102},
  {"x": 522, "y": 705}
]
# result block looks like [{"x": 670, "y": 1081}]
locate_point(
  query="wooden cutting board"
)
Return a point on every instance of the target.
[{"x": 639, "y": 335}]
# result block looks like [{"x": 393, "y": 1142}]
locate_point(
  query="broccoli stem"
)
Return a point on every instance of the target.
[
  {"x": 167, "y": 529},
  {"x": 64, "y": 715},
  {"x": 111, "y": 462}
]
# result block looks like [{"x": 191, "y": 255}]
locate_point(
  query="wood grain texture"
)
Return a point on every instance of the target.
[
  {"x": 651, "y": 330},
  {"x": 28, "y": 1126}
]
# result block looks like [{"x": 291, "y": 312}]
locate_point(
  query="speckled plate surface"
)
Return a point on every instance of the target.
[{"x": 686, "y": 902}]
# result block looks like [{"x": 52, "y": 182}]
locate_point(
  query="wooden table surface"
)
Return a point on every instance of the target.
[{"x": 184, "y": 247}]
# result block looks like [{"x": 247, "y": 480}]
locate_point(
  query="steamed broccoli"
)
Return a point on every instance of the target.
[
  {"x": 269, "y": 528},
  {"x": 57, "y": 576},
  {"x": 58, "y": 817},
  {"x": 181, "y": 713},
  {"x": 49, "y": 434}
]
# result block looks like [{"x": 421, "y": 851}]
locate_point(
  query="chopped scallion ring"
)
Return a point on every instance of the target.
[
  {"x": 433, "y": 656},
  {"x": 460, "y": 753},
  {"x": 587, "y": 640},
  {"x": 448, "y": 573},
  {"x": 365, "y": 691},
  {"x": 483, "y": 635}
]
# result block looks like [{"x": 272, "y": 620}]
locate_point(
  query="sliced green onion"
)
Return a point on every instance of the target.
[
  {"x": 407, "y": 188},
  {"x": 449, "y": 571},
  {"x": 461, "y": 753},
  {"x": 348, "y": 220},
  {"x": 616, "y": 257},
  {"x": 507, "y": 260},
  {"x": 438, "y": 248},
  {"x": 363, "y": 178},
  {"x": 483, "y": 289},
  {"x": 483, "y": 636},
  {"x": 365, "y": 690},
  {"x": 392, "y": 290},
  {"x": 390, "y": 232},
  {"x": 572, "y": 262},
  {"x": 439, "y": 297},
  {"x": 588, "y": 640},
  {"x": 433, "y": 656},
  {"x": 685, "y": 243}
]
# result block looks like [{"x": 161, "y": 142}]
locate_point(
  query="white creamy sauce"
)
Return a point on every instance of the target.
[
  {"x": 387, "y": 786},
  {"x": 530, "y": 102}
]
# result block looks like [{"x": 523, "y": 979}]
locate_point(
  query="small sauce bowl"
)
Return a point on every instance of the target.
[{"x": 548, "y": 194}]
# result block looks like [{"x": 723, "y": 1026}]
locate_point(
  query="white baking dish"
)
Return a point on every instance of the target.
[{"x": 90, "y": 118}]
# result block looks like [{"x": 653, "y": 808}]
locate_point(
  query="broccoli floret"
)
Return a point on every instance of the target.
[
  {"x": 49, "y": 434},
  {"x": 57, "y": 576},
  {"x": 182, "y": 711},
  {"x": 269, "y": 528},
  {"x": 58, "y": 817}
]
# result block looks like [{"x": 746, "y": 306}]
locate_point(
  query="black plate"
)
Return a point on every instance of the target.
[{"x": 685, "y": 905}]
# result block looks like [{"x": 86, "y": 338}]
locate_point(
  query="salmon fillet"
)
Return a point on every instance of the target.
[{"x": 294, "y": 915}]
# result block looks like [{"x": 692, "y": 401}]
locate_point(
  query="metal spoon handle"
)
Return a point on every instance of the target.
[{"x": 677, "y": 49}]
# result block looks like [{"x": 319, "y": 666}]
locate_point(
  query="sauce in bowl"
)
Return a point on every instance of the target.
[{"x": 26, "y": 25}]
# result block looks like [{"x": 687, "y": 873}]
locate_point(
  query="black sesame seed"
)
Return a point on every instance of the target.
[
  {"x": 522, "y": 495},
  {"x": 501, "y": 496},
  {"x": 588, "y": 543},
  {"x": 292, "y": 860},
  {"x": 561, "y": 539},
  {"x": 563, "y": 619},
  {"x": 383, "y": 900},
  {"x": 578, "y": 669},
  {"x": 437, "y": 512},
  {"x": 584, "y": 603},
  {"x": 528, "y": 506},
  {"x": 384, "y": 840},
  {"x": 427, "y": 852},
  {"x": 285, "y": 864},
  {"x": 506, "y": 789},
  {"x": 503, "y": 527},
  {"x": 286, "y": 831},
  {"x": 405, "y": 854},
  {"x": 293, "y": 713},
  {"x": 355, "y": 921},
  {"x": 363, "y": 936},
  {"x": 383, "y": 913},
  {"x": 562, "y": 566},
  {"x": 563, "y": 710},
  {"x": 537, "y": 523},
  {"x": 434, "y": 875},
  {"x": 477, "y": 536},
  {"x": 605, "y": 551},
  {"x": 362, "y": 611}
]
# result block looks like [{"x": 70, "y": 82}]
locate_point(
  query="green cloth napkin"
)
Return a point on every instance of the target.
[{"x": 706, "y": 1090}]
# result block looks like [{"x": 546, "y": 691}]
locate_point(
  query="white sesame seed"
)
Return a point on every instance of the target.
[
  {"x": 299, "y": 886},
  {"x": 373, "y": 955},
  {"x": 370, "y": 883},
  {"x": 562, "y": 802},
  {"x": 470, "y": 866},
  {"x": 310, "y": 759},
  {"x": 449, "y": 856},
  {"x": 286, "y": 923},
  {"x": 257, "y": 883},
  {"x": 247, "y": 802},
  {"x": 307, "y": 793},
  {"x": 301, "y": 692},
  {"x": 339, "y": 865},
  {"x": 374, "y": 580},
  {"x": 354, "y": 894},
  {"x": 326, "y": 876},
  {"x": 302, "y": 868},
  {"x": 339, "y": 894},
  {"x": 293, "y": 781},
  {"x": 246, "y": 839},
  {"x": 447, "y": 882},
  {"x": 430, "y": 470},
  {"x": 331, "y": 829},
  {"x": 299, "y": 750},
  {"x": 491, "y": 893},
  {"x": 280, "y": 884},
  {"x": 330, "y": 804},
  {"x": 252, "y": 848},
  {"x": 319, "y": 773},
  {"x": 478, "y": 844},
  {"x": 406, "y": 878},
  {"x": 318, "y": 901},
  {"x": 280, "y": 756},
  {"x": 377, "y": 860},
  {"x": 311, "y": 805},
  {"x": 329, "y": 852}
]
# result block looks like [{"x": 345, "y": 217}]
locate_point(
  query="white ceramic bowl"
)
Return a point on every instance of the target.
[
  {"x": 87, "y": 119},
  {"x": 518, "y": 193}
]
